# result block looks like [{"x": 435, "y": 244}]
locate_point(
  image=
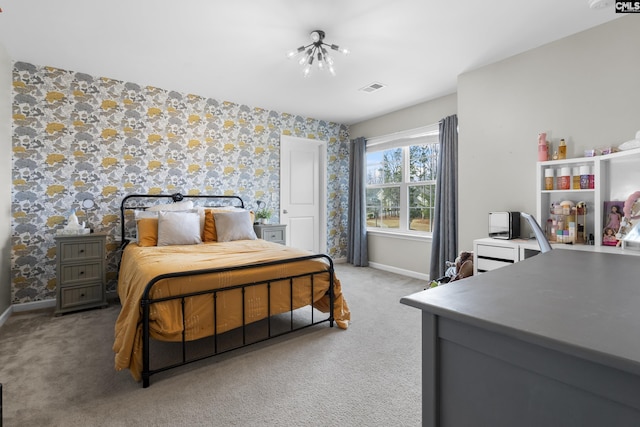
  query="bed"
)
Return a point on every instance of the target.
[{"x": 195, "y": 282}]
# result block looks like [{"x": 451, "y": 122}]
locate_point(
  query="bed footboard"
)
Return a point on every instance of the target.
[{"x": 213, "y": 346}]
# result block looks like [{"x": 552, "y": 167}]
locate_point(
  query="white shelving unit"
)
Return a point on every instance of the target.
[{"x": 616, "y": 176}]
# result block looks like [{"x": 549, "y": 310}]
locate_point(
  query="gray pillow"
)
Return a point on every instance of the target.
[
  {"x": 232, "y": 226},
  {"x": 178, "y": 228}
]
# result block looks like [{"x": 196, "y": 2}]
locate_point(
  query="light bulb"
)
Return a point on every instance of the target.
[
  {"x": 295, "y": 52},
  {"x": 306, "y": 70},
  {"x": 343, "y": 50}
]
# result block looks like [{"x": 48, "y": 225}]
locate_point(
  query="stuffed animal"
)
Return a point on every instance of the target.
[
  {"x": 461, "y": 268},
  {"x": 464, "y": 265},
  {"x": 631, "y": 212}
]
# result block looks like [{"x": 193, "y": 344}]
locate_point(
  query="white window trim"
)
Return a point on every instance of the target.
[
  {"x": 422, "y": 135},
  {"x": 420, "y": 236},
  {"x": 402, "y": 138}
]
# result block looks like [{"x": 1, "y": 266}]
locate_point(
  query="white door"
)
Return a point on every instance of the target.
[{"x": 302, "y": 192}]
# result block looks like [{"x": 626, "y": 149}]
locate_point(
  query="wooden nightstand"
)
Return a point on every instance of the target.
[
  {"x": 271, "y": 232},
  {"x": 81, "y": 270}
]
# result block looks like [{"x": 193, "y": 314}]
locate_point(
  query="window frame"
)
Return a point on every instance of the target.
[{"x": 405, "y": 139}]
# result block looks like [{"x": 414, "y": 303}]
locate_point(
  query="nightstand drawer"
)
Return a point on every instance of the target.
[
  {"x": 81, "y": 250},
  {"x": 73, "y": 273},
  {"x": 81, "y": 295},
  {"x": 273, "y": 235}
]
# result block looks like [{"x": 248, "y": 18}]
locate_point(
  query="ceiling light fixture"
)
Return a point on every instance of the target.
[{"x": 316, "y": 51}]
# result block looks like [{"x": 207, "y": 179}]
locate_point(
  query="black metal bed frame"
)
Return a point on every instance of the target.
[{"x": 147, "y": 301}]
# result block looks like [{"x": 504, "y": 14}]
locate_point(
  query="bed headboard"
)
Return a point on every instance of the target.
[{"x": 144, "y": 201}]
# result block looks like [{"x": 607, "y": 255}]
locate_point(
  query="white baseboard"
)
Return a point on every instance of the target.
[
  {"x": 5, "y": 316},
  {"x": 401, "y": 271},
  {"x": 27, "y": 306},
  {"x": 34, "y": 305}
]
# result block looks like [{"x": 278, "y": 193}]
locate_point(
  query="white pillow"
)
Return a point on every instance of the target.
[
  {"x": 234, "y": 225},
  {"x": 178, "y": 228},
  {"x": 172, "y": 207},
  {"x": 201, "y": 212},
  {"x": 139, "y": 214}
]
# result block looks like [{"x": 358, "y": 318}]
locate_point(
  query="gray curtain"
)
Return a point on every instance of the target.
[
  {"x": 357, "y": 222},
  {"x": 445, "y": 227}
]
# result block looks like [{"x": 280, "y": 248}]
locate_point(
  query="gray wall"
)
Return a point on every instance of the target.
[
  {"x": 5, "y": 178},
  {"x": 403, "y": 255},
  {"x": 583, "y": 88},
  {"x": 417, "y": 116}
]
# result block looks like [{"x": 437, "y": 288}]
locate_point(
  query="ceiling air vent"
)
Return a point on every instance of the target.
[{"x": 373, "y": 87}]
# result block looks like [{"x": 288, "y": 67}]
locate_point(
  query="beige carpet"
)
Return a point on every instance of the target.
[{"x": 58, "y": 371}]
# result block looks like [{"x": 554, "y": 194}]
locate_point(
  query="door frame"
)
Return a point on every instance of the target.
[{"x": 322, "y": 182}]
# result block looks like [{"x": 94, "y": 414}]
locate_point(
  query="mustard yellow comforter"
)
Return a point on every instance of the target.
[{"x": 141, "y": 264}]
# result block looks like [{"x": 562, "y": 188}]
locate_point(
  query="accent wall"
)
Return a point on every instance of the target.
[{"x": 77, "y": 136}]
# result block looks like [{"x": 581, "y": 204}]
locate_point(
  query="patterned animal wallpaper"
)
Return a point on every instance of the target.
[{"x": 77, "y": 136}]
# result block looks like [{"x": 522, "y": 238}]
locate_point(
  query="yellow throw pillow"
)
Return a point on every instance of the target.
[
  {"x": 209, "y": 233},
  {"x": 148, "y": 232}
]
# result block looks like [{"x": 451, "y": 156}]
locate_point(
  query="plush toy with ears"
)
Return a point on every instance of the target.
[
  {"x": 631, "y": 212},
  {"x": 464, "y": 265}
]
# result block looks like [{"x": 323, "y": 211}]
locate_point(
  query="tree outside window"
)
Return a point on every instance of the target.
[{"x": 401, "y": 187}]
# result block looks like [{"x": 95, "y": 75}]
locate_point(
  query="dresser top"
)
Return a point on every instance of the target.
[
  {"x": 583, "y": 303},
  {"x": 80, "y": 236}
]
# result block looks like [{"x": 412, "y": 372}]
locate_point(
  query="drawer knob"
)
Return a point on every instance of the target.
[
  {"x": 82, "y": 272},
  {"x": 81, "y": 251}
]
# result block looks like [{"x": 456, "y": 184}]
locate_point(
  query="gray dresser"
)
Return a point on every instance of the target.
[
  {"x": 272, "y": 232},
  {"x": 80, "y": 263},
  {"x": 549, "y": 341}
]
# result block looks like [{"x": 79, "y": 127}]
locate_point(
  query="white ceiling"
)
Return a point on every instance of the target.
[{"x": 234, "y": 50}]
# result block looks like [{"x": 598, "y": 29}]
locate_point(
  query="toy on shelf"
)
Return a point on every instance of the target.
[
  {"x": 631, "y": 212},
  {"x": 566, "y": 223}
]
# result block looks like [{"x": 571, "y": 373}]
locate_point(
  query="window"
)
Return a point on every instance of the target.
[{"x": 401, "y": 180}]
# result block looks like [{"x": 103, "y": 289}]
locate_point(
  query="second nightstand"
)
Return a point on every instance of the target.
[
  {"x": 271, "y": 232},
  {"x": 80, "y": 261}
]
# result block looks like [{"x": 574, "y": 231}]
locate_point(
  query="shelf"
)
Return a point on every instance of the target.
[
  {"x": 619, "y": 154},
  {"x": 594, "y": 248},
  {"x": 575, "y": 161},
  {"x": 591, "y": 160},
  {"x": 589, "y": 190},
  {"x": 615, "y": 176}
]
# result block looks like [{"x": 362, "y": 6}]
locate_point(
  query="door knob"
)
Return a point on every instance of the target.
[{"x": 284, "y": 211}]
